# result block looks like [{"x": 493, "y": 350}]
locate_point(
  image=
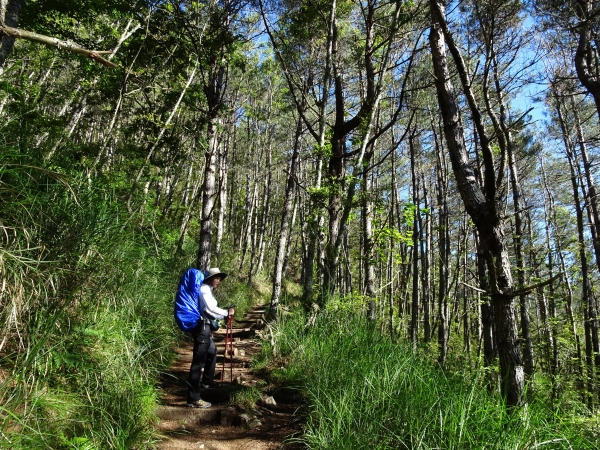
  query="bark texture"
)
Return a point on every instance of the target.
[{"x": 9, "y": 17}]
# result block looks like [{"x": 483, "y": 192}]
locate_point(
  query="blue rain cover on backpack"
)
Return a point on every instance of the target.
[{"x": 187, "y": 311}]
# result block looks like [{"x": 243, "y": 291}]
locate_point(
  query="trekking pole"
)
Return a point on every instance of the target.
[
  {"x": 230, "y": 326},
  {"x": 228, "y": 341}
]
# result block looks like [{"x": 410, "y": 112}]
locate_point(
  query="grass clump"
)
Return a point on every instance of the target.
[
  {"x": 364, "y": 391},
  {"x": 246, "y": 398}
]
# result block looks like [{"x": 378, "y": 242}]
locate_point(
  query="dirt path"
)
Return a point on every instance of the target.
[{"x": 223, "y": 427}]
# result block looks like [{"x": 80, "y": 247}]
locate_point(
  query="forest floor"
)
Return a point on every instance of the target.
[{"x": 265, "y": 425}]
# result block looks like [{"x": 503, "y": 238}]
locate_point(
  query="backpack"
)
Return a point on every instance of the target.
[{"x": 187, "y": 298}]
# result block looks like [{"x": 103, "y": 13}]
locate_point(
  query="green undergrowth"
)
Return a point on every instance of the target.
[
  {"x": 363, "y": 391},
  {"x": 86, "y": 302}
]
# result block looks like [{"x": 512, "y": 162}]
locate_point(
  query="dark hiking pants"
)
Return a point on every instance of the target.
[{"x": 205, "y": 357}]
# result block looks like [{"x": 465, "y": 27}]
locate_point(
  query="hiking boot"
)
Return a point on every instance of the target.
[
  {"x": 199, "y": 404},
  {"x": 211, "y": 385}
]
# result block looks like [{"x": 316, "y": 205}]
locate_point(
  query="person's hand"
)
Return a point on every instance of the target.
[{"x": 231, "y": 312}]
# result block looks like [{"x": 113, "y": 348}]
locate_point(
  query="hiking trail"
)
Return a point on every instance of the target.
[{"x": 222, "y": 426}]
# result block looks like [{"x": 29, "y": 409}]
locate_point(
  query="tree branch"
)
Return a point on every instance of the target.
[
  {"x": 528, "y": 289},
  {"x": 517, "y": 293},
  {"x": 54, "y": 42}
]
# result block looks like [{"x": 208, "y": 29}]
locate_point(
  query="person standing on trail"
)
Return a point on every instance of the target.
[{"x": 205, "y": 350}]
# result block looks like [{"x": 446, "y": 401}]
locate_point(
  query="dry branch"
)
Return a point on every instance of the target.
[
  {"x": 524, "y": 291},
  {"x": 528, "y": 289},
  {"x": 54, "y": 42}
]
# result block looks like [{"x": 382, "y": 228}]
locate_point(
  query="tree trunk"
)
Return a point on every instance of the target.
[
  {"x": 266, "y": 209},
  {"x": 426, "y": 252},
  {"x": 414, "y": 316},
  {"x": 285, "y": 219},
  {"x": 342, "y": 129},
  {"x": 9, "y": 16},
  {"x": 223, "y": 176},
  {"x": 490, "y": 350},
  {"x": 291, "y": 235},
  {"x": 586, "y": 58},
  {"x": 253, "y": 233},
  {"x": 208, "y": 198},
  {"x": 552, "y": 327},
  {"x": 443, "y": 251},
  {"x": 481, "y": 206},
  {"x": 368, "y": 241},
  {"x": 589, "y": 191},
  {"x": 507, "y": 146}
]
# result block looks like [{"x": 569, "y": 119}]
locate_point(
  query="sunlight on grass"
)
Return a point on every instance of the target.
[{"x": 367, "y": 392}]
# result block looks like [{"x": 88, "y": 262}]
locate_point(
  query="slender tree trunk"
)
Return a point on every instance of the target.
[
  {"x": 368, "y": 260},
  {"x": 444, "y": 254},
  {"x": 223, "y": 176},
  {"x": 347, "y": 273},
  {"x": 244, "y": 224},
  {"x": 189, "y": 200},
  {"x": 507, "y": 145},
  {"x": 316, "y": 219},
  {"x": 368, "y": 242},
  {"x": 105, "y": 150},
  {"x": 266, "y": 210},
  {"x": 463, "y": 271},
  {"x": 426, "y": 261},
  {"x": 518, "y": 247},
  {"x": 342, "y": 129},
  {"x": 250, "y": 226},
  {"x": 291, "y": 235},
  {"x": 285, "y": 228},
  {"x": 208, "y": 198},
  {"x": 553, "y": 319},
  {"x": 544, "y": 311},
  {"x": 214, "y": 87},
  {"x": 390, "y": 272},
  {"x": 393, "y": 249},
  {"x": 414, "y": 322}
]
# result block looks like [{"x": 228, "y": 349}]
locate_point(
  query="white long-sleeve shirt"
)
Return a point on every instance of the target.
[{"x": 211, "y": 303}]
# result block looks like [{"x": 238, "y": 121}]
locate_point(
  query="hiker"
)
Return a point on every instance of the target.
[{"x": 205, "y": 350}]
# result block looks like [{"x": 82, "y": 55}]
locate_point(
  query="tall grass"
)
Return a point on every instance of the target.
[
  {"x": 364, "y": 391},
  {"x": 86, "y": 298}
]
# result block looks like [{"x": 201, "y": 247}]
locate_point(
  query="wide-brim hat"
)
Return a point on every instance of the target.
[{"x": 214, "y": 272}]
